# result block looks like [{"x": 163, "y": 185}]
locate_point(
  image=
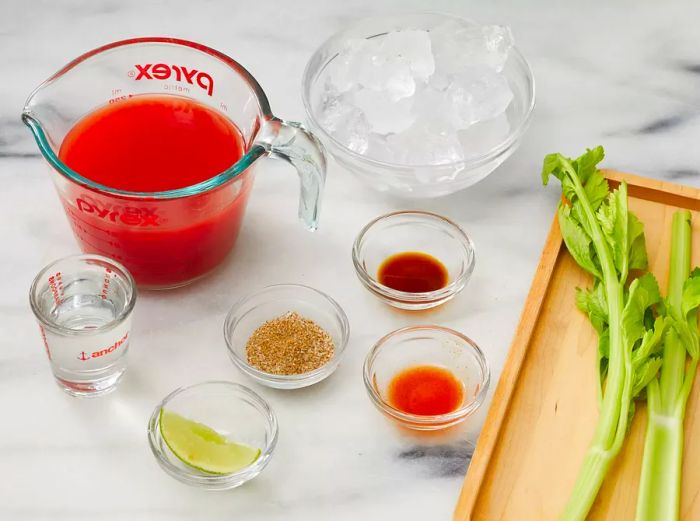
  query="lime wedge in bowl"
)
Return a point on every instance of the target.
[{"x": 203, "y": 448}]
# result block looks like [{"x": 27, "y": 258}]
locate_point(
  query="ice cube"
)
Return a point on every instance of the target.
[
  {"x": 484, "y": 136},
  {"x": 418, "y": 97},
  {"x": 384, "y": 114},
  {"x": 344, "y": 121},
  {"x": 431, "y": 107},
  {"x": 439, "y": 81},
  {"x": 379, "y": 149},
  {"x": 393, "y": 76},
  {"x": 340, "y": 70},
  {"x": 354, "y": 131},
  {"x": 413, "y": 46},
  {"x": 477, "y": 95},
  {"x": 426, "y": 145},
  {"x": 445, "y": 146},
  {"x": 392, "y": 63},
  {"x": 459, "y": 106},
  {"x": 364, "y": 64},
  {"x": 470, "y": 97},
  {"x": 457, "y": 45},
  {"x": 329, "y": 107}
]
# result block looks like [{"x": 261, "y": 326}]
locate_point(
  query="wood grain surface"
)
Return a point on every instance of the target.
[{"x": 544, "y": 409}]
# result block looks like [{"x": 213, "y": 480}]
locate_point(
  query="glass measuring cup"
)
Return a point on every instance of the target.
[{"x": 168, "y": 238}]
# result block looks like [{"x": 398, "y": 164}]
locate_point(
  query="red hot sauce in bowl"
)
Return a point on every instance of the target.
[{"x": 426, "y": 390}]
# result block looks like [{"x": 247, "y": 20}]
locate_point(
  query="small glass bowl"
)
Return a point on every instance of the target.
[
  {"x": 417, "y": 181},
  {"x": 426, "y": 232},
  {"x": 230, "y": 409},
  {"x": 427, "y": 345},
  {"x": 274, "y": 301}
]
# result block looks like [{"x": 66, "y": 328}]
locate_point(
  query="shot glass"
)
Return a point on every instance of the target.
[{"x": 83, "y": 304}]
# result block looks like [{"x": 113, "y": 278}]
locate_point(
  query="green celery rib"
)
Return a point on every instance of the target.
[
  {"x": 660, "y": 483},
  {"x": 607, "y": 438},
  {"x": 659, "y": 486}
]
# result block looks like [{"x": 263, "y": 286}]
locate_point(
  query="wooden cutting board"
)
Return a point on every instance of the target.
[{"x": 544, "y": 409}]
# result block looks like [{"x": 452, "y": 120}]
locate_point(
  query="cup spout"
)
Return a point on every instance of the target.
[{"x": 49, "y": 114}]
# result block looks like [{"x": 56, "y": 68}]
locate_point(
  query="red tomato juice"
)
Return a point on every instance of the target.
[{"x": 153, "y": 143}]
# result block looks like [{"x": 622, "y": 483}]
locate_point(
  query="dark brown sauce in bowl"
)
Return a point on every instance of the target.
[{"x": 413, "y": 272}]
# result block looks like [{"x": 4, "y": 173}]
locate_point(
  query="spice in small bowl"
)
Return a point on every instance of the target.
[
  {"x": 286, "y": 336},
  {"x": 290, "y": 344}
]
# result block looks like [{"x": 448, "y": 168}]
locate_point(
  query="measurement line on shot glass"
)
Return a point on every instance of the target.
[
  {"x": 46, "y": 342},
  {"x": 56, "y": 285},
  {"x": 105, "y": 283}
]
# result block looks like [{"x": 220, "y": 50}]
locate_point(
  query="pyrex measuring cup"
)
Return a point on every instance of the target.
[{"x": 169, "y": 238}]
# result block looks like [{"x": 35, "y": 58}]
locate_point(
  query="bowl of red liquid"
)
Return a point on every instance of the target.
[
  {"x": 413, "y": 260},
  {"x": 153, "y": 144},
  {"x": 426, "y": 377}
]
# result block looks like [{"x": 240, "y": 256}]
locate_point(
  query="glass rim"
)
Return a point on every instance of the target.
[
  {"x": 438, "y": 419},
  {"x": 309, "y": 77},
  {"x": 213, "y": 182},
  {"x": 66, "y": 331},
  {"x": 233, "y": 318},
  {"x": 249, "y": 472},
  {"x": 407, "y": 296}
]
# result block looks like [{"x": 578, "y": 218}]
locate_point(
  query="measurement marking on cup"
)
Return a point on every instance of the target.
[
  {"x": 56, "y": 285},
  {"x": 105, "y": 283},
  {"x": 176, "y": 88},
  {"x": 117, "y": 95},
  {"x": 88, "y": 228},
  {"x": 46, "y": 343}
]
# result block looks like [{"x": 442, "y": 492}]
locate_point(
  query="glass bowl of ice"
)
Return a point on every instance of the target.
[{"x": 419, "y": 105}]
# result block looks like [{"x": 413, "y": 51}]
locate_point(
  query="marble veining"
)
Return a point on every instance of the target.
[
  {"x": 664, "y": 124},
  {"x": 442, "y": 460},
  {"x": 629, "y": 81}
]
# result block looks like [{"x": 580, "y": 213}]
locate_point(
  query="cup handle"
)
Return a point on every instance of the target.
[{"x": 291, "y": 142}]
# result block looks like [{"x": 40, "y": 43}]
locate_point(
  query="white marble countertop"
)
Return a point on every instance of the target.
[{"x": 627, "y": 77}]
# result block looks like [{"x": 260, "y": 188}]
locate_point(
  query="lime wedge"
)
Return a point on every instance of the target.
[{"x": 203, "y": 448}]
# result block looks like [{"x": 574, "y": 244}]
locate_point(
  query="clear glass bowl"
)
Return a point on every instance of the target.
[
  {"x": 414, "y": 231},
  {"x": 271, "y": 302},
  {"x": 427, "y": 345},
  {"x": 419, "y": 181},
  {"x": 232, "y": 410}
]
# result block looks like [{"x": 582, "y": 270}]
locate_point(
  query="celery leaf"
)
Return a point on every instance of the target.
[
  {"x": 593, "y": 303},
  {"x": 646, "y": 373},
  {"x": 643, "y": 293},
  {"x": 578, "y": 242},
  {"x": 637, "y": 244}
]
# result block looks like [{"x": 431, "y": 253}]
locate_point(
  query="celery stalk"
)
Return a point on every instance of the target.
[
  {"x": 660, "y": 484},
  {"x": 604, "y": 446},
  {"x": 607, "y": 241}
]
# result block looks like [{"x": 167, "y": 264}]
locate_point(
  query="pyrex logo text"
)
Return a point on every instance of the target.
[
  {"x": 129, "y": 215},
  {"x": 161, "y": 71}
]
